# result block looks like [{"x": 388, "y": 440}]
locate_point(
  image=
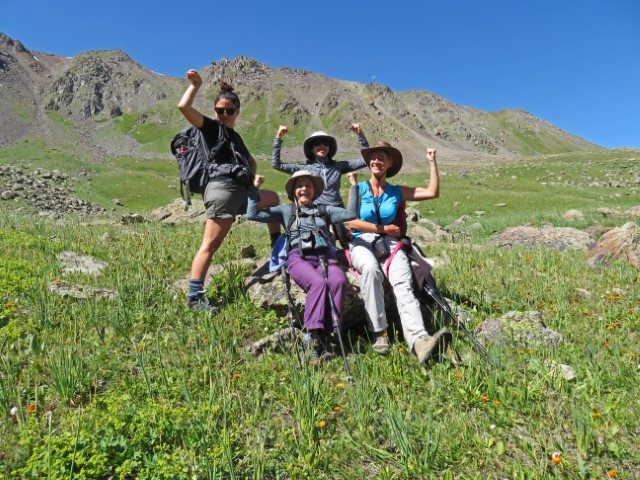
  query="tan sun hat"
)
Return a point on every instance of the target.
[
  {"x": 393, "y": 153},
  {"x": 318, "y": 184},
  {"x": 308, "y": 144}
]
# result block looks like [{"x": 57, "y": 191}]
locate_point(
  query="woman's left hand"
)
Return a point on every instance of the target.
[{"x": 258, "y": 180}]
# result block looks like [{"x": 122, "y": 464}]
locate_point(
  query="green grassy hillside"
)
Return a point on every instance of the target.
[{"x": 141, "y": 387}]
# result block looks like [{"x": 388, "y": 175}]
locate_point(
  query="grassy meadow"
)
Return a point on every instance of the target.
[{"x": 140, "y": 387}]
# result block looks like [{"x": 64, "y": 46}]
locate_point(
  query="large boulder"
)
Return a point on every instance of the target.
[
  {"x": 622, "y": 243},
  {"x": 559, "y": 238},
  {"x": 267, "y": 289}
]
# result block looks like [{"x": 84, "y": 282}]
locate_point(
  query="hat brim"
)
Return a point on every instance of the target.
[
  {"x": 308, "y": 148},
  {"x": 318, "y": 186},
  {"x": 393, "y": 153}
]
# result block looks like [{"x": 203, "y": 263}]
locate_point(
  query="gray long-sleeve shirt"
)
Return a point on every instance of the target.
[
  {"x": 308, "y": 217},
  {"x": 327, "y": 169}
]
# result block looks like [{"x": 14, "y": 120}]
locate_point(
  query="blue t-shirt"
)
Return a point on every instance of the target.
[{"x": 387, "y": 204}]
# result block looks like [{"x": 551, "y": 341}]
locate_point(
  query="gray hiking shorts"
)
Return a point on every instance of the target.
[{"x": 225, "y": 199}]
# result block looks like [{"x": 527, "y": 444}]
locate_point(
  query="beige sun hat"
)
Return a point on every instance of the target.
[
  {"x": 318, "y": 184},
  {"x": 308, "y": 144},
  {"x": 393, "y": 153}
]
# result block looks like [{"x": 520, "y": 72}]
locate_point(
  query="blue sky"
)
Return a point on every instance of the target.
[{"x": 574, "y": 63}]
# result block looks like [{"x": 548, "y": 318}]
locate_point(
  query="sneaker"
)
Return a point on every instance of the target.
[
  {"x": 429, "y": 348},
  {"x": 201, "y": 304},
  {"x": 381, "y": 345}
]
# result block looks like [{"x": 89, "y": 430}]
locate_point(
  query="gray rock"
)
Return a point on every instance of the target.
[
  {"x": 78, "y": 262},
  {"x": 568, "y": 372},
  {"x": 459, "y": 223},
  {"x": 175, "y": 212},
  {"x": 422, "y": 235},
  {"x": 519, "y": 329},
  {"x": 131, "y": 218},
  {"x": 7, "y": 195},
  {"x": 622, "y": 243},
  {"x": 413, "y": 215},
  {"x": 282, "y": 341},
  {"x": 573, "y": 215},
  {"x": 559, "y": 238},
  {"x": 66, "y": 290}
]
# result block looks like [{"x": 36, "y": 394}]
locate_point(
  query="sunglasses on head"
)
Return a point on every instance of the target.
[
  {"x": 318, "y": 143},
  {"x": 226, "y": 111}
]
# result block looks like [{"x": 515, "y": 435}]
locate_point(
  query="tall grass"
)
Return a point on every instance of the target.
[{"x": 142, "y": 387}]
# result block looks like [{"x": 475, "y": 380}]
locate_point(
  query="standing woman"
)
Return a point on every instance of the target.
[
  {"x": 226, "y": 193},
  {"x": 379, "y": 201},
  {"x": 308, "y": 244}
]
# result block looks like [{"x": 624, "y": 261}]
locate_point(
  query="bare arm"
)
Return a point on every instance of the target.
[
  {"x": 368, "y": 227},
  {"x": 432, "y": 190},
  {"x": 275, "y": 156},
  {"x": 194, "y": 117},
  {"x": 253, "y": 165}
]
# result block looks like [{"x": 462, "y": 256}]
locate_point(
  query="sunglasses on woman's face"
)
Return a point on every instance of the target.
[
  {"x": 319, "y": 143},
  {"x": 226, "y": 111}
]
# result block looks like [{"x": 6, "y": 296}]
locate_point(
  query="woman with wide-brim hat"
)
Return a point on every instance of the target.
[
  {"x": 308, "y": 237},
  {"x": 378, "y": 207}
]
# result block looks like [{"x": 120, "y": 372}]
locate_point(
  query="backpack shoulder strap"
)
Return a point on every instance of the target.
[
  {"x": 322, "y": 211},
  {"x": 292, "y": 218}
]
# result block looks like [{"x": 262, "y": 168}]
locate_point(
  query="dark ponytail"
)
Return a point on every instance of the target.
[{"x": 226, "y": 92}]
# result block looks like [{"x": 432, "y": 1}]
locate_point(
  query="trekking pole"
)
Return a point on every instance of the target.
[
  {"x": 334, "y": 316},
  {"x": 444, "y": 306},
  {"x": 293, "y": 317}
]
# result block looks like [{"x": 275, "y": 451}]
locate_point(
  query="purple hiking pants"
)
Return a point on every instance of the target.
[{"x": 307, "y": 273}]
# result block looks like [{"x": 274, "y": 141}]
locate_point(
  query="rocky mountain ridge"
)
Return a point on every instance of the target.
[{"x": 105, "y": 103}]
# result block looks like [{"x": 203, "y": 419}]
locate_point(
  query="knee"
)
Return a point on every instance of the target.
[
  {"x": 268, "y": 199},
  {"x": 339, "y": 279},
  {"x": 210, "y": 245},
  {"x": 371, "y": 269},
  {"x": 317, "y": 285}
]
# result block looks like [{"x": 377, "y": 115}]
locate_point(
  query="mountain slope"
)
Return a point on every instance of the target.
[{"x": 105, "y": 103}]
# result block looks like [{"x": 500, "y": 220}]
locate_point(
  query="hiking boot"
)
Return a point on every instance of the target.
[
  {"x": 429, "y": 348},
  {"x": 326, "y": 355},
  {"x": 381, "y": 345},
  {"x": 310, "y": 345},
  {"x": 314, "y": 346},
  {"x": 200, "y": 304}
]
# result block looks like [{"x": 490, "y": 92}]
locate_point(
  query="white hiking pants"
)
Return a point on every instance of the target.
[{"x": 372, "y": 275}]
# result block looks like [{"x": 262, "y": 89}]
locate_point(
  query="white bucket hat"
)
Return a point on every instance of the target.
[{"x": 308, "y": 144}]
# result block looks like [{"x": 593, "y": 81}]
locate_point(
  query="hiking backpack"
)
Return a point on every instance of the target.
[{"x": 192, "y": 155}]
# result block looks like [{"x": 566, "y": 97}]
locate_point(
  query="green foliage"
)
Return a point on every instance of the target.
[{"x": 142, "y": 387}]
